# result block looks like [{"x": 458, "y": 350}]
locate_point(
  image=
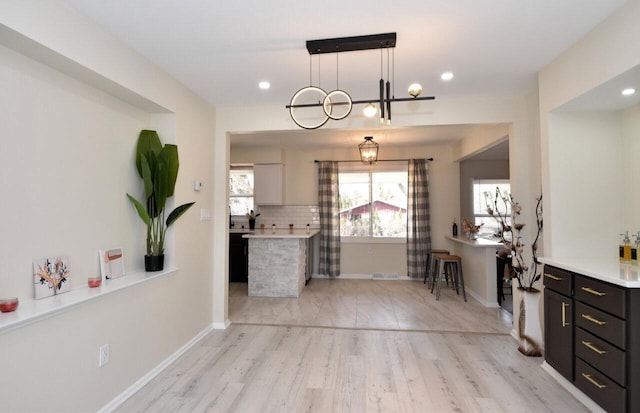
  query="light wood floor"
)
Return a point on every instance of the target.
[{"x": 356, "y": 346}]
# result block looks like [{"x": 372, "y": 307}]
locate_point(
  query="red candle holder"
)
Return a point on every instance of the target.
[
  {"x": 94, "y": 282},
  {"x": 8, "y": 305}
]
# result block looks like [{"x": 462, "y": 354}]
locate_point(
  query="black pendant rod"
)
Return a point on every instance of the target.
[
  {"x": 358, "y": 102},
  {"x": 379, "y": 160}
]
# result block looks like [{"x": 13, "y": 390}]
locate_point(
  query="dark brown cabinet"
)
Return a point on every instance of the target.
[
  {"x": 601, "y": 343},
  {"x": 558, "y": 324},
  {"x": 592, "y": 337},
  {"x": 238, "y": 258}
]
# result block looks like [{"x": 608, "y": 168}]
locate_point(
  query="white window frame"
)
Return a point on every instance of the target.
[
  {"x": 484, "y": 214},
  {"x": 242, "y": 167},
  {"x": 370, "y": 169}
]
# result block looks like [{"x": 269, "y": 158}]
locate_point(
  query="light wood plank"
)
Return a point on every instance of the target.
[{"x": 333, "y": 350}]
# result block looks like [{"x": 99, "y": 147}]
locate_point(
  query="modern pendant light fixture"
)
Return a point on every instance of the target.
[
  {"x": 368, "y": 150},
  {"x": 415, "y": 89},
  {"x": 370, "y": 110},
  {"x": 337, "y": 104}
]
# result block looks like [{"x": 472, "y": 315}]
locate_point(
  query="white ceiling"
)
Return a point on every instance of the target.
[{"x": 222, "y": 49}]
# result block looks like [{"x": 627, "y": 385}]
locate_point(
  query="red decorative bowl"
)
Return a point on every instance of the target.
[
  {"x": 94, "y": 282},
  {"x": 8, "y": 305}
]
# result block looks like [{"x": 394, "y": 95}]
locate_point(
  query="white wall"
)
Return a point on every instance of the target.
[
  {"x": 587, "y": 171},
  {"x": 606, "y": 52},
  {"x": 68, "y": 141},
  {"x": 630, "y": 126}
]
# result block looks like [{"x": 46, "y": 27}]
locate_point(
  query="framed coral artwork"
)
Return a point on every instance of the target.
[
  {"x": 111, "y": 263},
  {"x": 51, "y": 276}
]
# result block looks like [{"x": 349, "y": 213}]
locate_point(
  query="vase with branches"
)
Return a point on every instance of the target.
[{"x": 510, "y": 235}]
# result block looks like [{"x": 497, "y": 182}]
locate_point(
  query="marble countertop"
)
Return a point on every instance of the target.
[
  {"x": 477, "y": 243},
  {"x": 610, "y": 270},
  {"x": 282, "y": 233}
]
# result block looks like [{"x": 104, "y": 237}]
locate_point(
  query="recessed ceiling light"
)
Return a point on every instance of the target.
[
  {"x": 446, "y": 76},
  {"x": 264, "y": 85},
  {"x": 629, "y": 91}
]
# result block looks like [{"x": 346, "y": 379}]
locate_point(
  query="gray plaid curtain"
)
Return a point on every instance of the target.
[
  {"x": 328, "y": 198},
  {"x": 418, "y": 220}
]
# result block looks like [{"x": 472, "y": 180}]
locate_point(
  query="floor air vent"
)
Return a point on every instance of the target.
[{"x": 384, "y": 276}]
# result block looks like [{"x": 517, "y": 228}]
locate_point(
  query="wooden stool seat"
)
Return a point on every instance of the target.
[
  {"x": 429, "y": 273},
  {"x": 448, "y": 265}
]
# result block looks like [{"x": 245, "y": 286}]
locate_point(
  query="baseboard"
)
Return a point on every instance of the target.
[
  {"x": 221, "y": 326},
  {"x": 481, "y": 300},
  {"x": 514, "y": 334},
  {"x": 135, "y": 387},
  {"x": 575, "y": 392},
  {"x": 364, "y": 277}
]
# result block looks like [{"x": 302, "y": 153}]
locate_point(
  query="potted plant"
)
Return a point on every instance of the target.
[{"x": 157, "y": 166}]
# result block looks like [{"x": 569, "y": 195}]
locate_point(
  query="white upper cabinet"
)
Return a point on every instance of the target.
[{"x": 268, "y": 184}]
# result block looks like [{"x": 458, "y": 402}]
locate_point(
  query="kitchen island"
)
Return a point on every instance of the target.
[
  {"x": 280, "y": 262},
  {"x": 479, "y": 265}
]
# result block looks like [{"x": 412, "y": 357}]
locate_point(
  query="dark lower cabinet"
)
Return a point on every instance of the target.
[
  {"x": 238, "y": 258},
  {"x": 597, "y": 346},
  {"x": 558, "y": 332}
]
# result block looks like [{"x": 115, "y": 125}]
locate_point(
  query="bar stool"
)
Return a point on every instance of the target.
[
  {"x": 431, "y": 268},
  {"x": 449, "y": 265}
]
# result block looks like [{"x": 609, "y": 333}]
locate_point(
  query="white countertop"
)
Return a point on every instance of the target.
[
  {"x": 610, "y": 270},
  {"x": 282, "y": 233},
  {"x": 241, "y": 231},
  {"x": 477, "y": 243}
]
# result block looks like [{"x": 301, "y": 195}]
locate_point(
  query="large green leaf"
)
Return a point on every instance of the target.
[
  {"x": 147, "y": 177},
  {"x": 177, "y": 213},
  {"x": 169, "y": 156},
  {"x": 148, "y": 141},
  {"x": 160, "y": 185},
  {"x": 142, "y": 211}
]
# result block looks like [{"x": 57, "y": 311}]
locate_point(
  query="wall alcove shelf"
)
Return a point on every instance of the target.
[{"x": 31, "y": 311}]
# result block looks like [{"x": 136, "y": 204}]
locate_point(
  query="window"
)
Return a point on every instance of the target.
[
  {"x": 484, "y": 192},
  {"x": 373, "y": 203},
  {"x": 241, "y": 189}
]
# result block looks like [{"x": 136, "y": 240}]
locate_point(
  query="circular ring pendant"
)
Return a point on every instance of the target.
[
  {"x": 337, "y": 104},
  {"x": 305, "y": 107}
]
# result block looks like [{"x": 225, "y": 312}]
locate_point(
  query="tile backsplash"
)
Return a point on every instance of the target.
[{"x": 283, "y": 215}]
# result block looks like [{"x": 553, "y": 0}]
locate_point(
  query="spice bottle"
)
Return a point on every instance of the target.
[
  {"x": 625, "y": 247},
  {"x": 635, "y": 247}
]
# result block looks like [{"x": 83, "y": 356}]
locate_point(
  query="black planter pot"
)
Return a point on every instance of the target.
[{"x": 153, "y": 262}]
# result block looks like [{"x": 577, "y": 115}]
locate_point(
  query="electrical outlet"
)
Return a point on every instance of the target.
[{"x": 103, "y": 357}]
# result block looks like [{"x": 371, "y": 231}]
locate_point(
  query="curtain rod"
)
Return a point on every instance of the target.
[{"x": 379, "y": 160}]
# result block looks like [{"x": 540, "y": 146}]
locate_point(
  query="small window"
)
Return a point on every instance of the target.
[
  {"x": 241, "y": 189},
  {"x": 373, "y": 203},
  {"x": 484, "y": 192}
]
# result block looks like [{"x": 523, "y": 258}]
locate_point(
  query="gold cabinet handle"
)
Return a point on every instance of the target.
[
  {"x": 564, "y": 314},
  {"x": 594, "y": 292},
  {"x": 590, "y": 346},
  {"x": 593, "y": 320},
  {"x": 593, "y": 381},
  {"x": 553, "y": 277}
]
